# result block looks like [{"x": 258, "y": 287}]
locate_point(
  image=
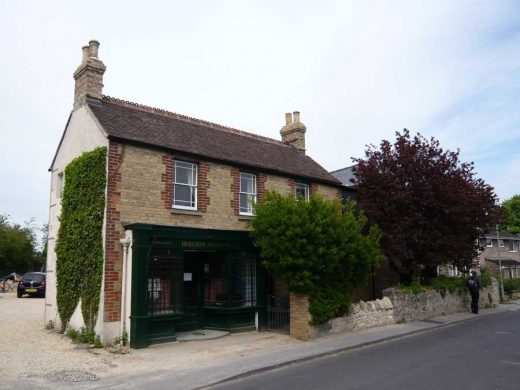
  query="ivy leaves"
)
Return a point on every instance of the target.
[{"x": 79, "y": 247}]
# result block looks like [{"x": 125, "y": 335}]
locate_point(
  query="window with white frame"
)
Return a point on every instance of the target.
[
  {"x": 500, "y": 243},
  {"x": 247, "y": 193},
  {"x": 184, "y": 185},
  {"x": 489, "y": 242},
  {"x": 513, "y": 245},
  {"x": 301, "y": 191}
]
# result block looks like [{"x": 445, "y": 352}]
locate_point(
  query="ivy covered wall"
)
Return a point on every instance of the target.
[{"x": 79, "y": 246}]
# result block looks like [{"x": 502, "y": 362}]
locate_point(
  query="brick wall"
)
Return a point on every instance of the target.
[
  {"x": 300, "y": 317},
  {"x": 113, "y": 229}
]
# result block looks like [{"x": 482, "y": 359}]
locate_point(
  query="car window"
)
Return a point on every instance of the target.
[{"x": 35, "y": 277}]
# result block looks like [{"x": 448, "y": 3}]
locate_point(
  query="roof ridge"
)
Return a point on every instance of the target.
[{"x": 190, "y": 119}]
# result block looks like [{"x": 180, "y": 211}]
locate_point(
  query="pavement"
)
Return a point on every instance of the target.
[{"x": 197, "y": 377}]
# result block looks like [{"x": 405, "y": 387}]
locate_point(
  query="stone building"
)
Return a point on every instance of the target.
[
  {"x": 497, "y": 250},
  {"x": 179, "y": 195}
]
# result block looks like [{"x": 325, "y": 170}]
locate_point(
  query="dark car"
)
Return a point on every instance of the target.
[{"x": 32, "y": 283}]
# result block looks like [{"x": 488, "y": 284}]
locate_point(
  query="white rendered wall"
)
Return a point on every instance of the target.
[{"x": 83, "y": 134}]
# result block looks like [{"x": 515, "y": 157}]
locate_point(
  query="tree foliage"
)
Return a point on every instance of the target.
[
  {"x": 429, "y": 205},
  {"x": 19, "y": 251},
  {"x": 512, "y": 214},
  {"x": 79, "y": 247},
  {"x": 316, "y": 248}
]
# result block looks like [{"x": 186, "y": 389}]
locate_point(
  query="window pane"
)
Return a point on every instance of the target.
[
  {"x": 246, "y": 183},
  {"x": 301, "y": 191},
  {"x": 183, "y": 195},
  {"x": 246, "y": 203}
]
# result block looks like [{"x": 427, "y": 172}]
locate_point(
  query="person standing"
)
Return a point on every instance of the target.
[{"x": 474, "y": 288}]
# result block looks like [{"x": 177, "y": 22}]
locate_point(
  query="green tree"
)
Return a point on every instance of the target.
[
  {"x": 317, "y": 248},
  {"x": 512, "y": 214},
  {"x": 18, "y": 251}
]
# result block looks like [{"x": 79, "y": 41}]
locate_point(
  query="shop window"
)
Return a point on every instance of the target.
[
  {"x": 165, "y": 283},
  {"x": 232, "y": 282}
]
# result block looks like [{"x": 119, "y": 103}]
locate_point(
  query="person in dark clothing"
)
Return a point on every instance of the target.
[{"x": 474, "y": 288}]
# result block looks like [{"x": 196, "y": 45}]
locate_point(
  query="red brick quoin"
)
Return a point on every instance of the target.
[{"x": 112, "y": 304}]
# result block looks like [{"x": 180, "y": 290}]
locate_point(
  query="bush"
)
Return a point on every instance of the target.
[
  {"x": 412, "y": 288},
  {"x": 485, "y": 277},
  {"x": 317, "y": 248},
  {"x": 445, "y": 284},
  {"x": 511, "y": 285}
]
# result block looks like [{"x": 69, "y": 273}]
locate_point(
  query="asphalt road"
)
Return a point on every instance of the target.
[{"x": 479, "y": 354}]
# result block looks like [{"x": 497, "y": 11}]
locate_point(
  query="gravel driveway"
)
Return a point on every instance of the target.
[{"x": 30, "y": 351}]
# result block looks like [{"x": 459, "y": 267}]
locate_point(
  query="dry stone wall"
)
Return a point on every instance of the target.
[
  {"x": 362, "y": 315},
  {"x": 409, "y": 307}
]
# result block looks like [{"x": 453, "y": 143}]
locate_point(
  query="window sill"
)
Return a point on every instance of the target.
[
  {"x": 187, "y": 212},
  {"x": 245, "y": 217}
]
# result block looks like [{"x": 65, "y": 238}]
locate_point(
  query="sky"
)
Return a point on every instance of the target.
[{"x": 358, "y": 71}]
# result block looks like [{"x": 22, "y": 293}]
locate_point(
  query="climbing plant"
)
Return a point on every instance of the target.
[{"x": 79, "y": 246}]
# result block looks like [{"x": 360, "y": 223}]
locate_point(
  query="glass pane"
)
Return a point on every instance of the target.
[
  {"x": 246, "y": 203},
  {"x": 183, "y": 195},
  {"x": 165, "y": 283},
  {"x": 246, "y": 183}
]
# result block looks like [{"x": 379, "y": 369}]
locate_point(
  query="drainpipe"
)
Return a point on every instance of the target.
[{"x": 125, "y": 242}]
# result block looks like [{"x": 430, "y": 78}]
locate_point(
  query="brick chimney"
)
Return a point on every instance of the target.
[
  {"x": 293, "y": 133},
  {"x": 89, "y": 76}
]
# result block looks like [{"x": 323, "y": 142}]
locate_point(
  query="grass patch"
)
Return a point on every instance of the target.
[{"x": 85, "y": 337}]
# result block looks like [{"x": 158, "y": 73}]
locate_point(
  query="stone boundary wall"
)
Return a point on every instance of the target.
[
  {"x": 395, "y": 307},
  {"x": 410, "y": 307},
  {"x": 362, "y": 315}
]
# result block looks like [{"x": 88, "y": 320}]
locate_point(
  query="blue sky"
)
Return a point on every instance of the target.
[{"x": 358, "y": 71}]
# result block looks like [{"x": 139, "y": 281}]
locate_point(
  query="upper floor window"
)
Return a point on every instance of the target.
[
  {"x": 301, "y": 190},
  {"x": 247, "y": 193},
  {"x": 513, "y": 245},
  {"x": 500, "y": 243},
  {"x": 489, "y": 242},
  {"x": 59, "y": 184},
  {"x": 184, "y": 185}
]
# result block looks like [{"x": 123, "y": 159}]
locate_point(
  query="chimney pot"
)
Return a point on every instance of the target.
[
  {"x": 296, "y": 116},
  {"x": 288, "y": 118},
  {"x": 86, "y": 51},
  {"x": 93, "y": 48}
]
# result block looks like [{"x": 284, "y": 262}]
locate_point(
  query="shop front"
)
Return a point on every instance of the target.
[{"x": 186, "y": 279}]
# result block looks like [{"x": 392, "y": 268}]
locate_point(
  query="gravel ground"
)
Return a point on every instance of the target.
[
  {"x": 32, "y": 354},
  {"x": 30, "y": 351}
]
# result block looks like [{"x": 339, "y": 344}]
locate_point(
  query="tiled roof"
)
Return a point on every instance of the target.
[
  {"x": 155, "y": 127},
  {"x": 345, "y": 175}
]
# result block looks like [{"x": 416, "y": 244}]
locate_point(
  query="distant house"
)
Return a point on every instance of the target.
[
  {"x": 503, "y": 250},
  {"x": 177, "y": 251},
  {"x": 346, "y": 177}
]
